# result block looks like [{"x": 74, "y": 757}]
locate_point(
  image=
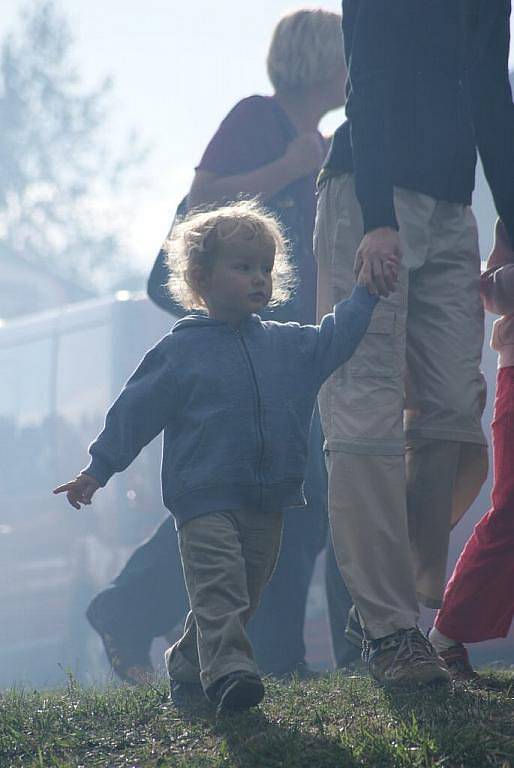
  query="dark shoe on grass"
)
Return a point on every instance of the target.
[
  {"x": 129, "y": 665},
  {"x": 405, "y": 658},
  {"x": 237, "y": 692},
  {"x": 457, "y": 660}
]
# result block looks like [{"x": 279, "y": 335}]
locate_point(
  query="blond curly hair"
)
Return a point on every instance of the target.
[{"x": 198, "y": 239}]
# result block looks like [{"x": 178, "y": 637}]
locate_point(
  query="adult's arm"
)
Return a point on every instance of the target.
[
  {"x": 303, "y": 156},
  {"x": 255, "y": 151},
  {"x": 208, "y": 187},
  {"x": 369, "y": 31},
  {"x": 493, "y": 108}
]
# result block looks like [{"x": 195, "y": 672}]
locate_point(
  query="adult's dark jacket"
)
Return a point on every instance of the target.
[{"x": 428, "y": 85}]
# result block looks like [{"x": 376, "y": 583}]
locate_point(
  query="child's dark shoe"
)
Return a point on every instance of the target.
[{"x": 237, "y": 692}]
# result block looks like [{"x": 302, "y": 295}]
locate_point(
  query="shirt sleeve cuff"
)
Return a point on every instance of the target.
[
  {"x": 361, "y": 295},
  {"x": 100, "y": 469},
  {"x": 377, "y": 217}
]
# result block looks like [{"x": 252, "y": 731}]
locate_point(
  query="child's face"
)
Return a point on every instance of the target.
[{"x": 240, "y": 280}]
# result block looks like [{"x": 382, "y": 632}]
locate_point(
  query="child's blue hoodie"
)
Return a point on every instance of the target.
[{"x": 235, "y": 407}]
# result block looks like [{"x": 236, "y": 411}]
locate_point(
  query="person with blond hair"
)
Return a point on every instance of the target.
[
  {"x": 234, "y": 396},
  {"x": 268, "y": 146}
]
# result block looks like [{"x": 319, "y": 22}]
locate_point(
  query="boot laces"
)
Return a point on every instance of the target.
[{"x": 413, "y": 646}]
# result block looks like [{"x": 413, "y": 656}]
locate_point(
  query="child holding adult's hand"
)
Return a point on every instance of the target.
[{"x": 234, "y": 396}]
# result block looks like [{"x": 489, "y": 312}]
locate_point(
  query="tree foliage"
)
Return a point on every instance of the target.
[{"x": 63, "y": 185}]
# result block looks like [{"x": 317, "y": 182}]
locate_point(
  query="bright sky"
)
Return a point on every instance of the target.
[{"x": 177, "y": 68}]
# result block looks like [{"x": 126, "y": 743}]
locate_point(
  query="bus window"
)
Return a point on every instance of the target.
[{"x": 25, "y": 426}]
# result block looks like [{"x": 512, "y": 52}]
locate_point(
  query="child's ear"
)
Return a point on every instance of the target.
[{"x": 198, "y": 276}]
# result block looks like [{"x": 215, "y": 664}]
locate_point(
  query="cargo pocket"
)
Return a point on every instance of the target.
[{"x": 376, "y": 355}]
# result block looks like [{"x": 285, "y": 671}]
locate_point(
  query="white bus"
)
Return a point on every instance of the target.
[{"x": 60, "y": 370}]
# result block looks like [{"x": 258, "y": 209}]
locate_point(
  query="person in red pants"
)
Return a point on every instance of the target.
[{"x": 478, "y": 603}]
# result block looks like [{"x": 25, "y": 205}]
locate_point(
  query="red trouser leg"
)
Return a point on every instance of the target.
[{"x": 478, "y": 602}]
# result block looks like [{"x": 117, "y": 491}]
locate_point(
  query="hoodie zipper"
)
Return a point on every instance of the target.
[{"x": 258, "y": 412}]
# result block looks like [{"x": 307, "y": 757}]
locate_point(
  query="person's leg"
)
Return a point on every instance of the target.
[
  {"x": 137, "y": 606},
  {"x": 145, "y": 580},
  {"x": 431, "y": 475},
  {"x": 361, "y": 408},
  {"x": 339, "y": 603},
  {"x": 182, "y": 662},
  {"x": 276, "y": 629},
  {"x": 218, "y": 559},
  {"x": 486, "y": 566},
  {"x": 471, "y": 475},
  {"x": 261, "y": 535},
  {"x": 444, "y": 344}
]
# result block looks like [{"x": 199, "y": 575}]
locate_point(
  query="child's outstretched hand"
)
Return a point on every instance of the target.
[{"x": 79, "y": 491}]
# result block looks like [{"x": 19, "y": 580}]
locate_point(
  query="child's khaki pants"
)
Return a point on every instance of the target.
[
  {"x": 228, "y": 558},
  {"x": 391, "y": 484}
]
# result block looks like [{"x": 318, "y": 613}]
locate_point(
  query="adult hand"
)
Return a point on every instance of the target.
[
  {"x": 379, "y": 255},
  {"x": 304, "y": 155},
  {"x": 80, "y": 490}
]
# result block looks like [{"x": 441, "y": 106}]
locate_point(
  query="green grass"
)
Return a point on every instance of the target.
[{"x": 336, "y": 721}]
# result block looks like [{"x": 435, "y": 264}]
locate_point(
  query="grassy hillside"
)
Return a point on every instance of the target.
[{"x": 334, "y": 722}]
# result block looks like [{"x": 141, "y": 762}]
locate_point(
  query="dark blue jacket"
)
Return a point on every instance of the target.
[
  {"x": 428, "y": 85},
  {"x": 235, "y": 407}
]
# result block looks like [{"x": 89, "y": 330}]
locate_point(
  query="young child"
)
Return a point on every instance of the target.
[
  {"x": 234, "y": 396},
  {"x": 478, "y": 602}
]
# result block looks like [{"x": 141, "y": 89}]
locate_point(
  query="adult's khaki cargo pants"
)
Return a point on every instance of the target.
[{"x": 391, "y": 483}]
